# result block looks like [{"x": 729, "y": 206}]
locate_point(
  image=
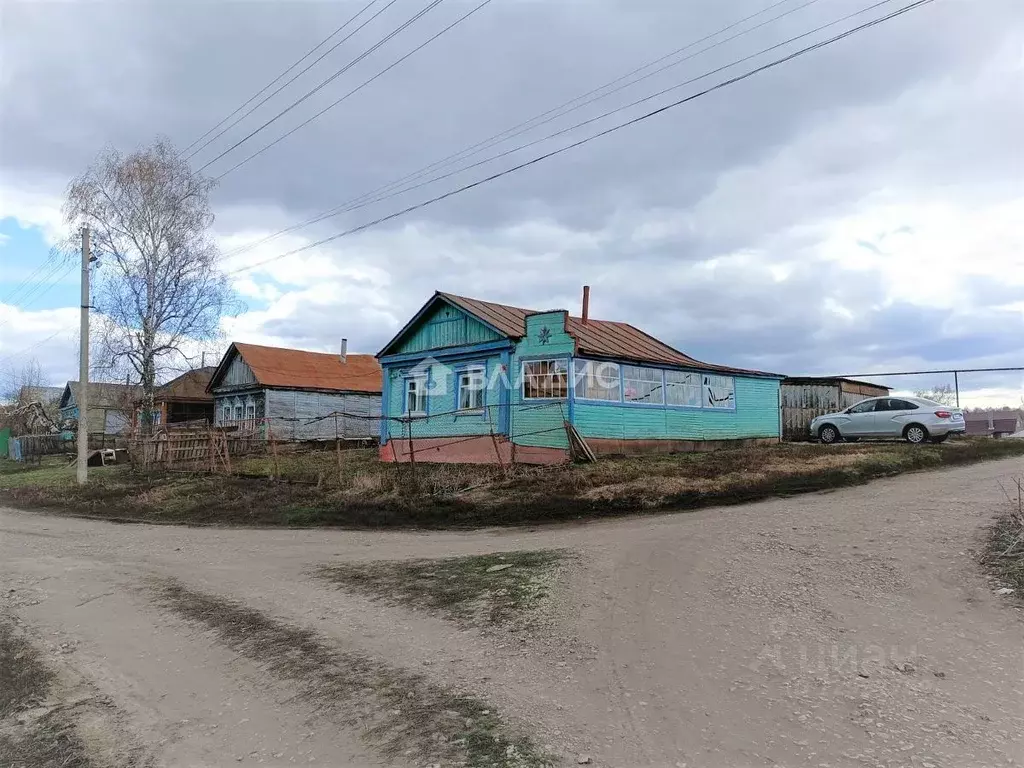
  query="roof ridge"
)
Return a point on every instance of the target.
[
  {"x": 445, "y": 294},
  {"x": 296, "y": 349}
]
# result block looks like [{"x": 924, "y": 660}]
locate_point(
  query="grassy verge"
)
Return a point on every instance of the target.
[
  {"x": 1004, "y": 555},
  {"x": 363, "y": 492},
  {"x": 399, "y": 713},
  {"x": 482, "y": 590},
  {"x": 31, "y": 736}
]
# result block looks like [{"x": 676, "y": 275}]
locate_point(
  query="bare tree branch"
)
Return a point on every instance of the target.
[
  {"x": 159, "y": 288},
  {"x": 943, "y": 394}
]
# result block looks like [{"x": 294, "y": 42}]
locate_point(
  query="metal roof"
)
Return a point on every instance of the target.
[
  {"x": 102, "y": 394},
  {"x": 830, "y": 379},
  {"x": 298, "y": 369},
  {"x": 191, "y": 385},
  {"x": 598, "y": 338}
]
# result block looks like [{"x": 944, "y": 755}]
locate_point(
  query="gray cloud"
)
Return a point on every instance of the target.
[{"x": 926, "y": 106}]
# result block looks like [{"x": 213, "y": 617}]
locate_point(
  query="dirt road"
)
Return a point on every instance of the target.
[{"x": 844, "y": 629}]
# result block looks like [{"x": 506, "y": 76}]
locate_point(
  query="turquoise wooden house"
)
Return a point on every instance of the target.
[{"x": 473, "y": 381}]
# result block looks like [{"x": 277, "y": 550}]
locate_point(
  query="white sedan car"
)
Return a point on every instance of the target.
[{"x": 913, "y": 419}]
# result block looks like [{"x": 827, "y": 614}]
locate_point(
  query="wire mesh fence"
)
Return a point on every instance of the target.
[{"x": 253, "y": 448}]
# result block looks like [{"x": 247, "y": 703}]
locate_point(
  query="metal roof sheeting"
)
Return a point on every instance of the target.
[
  {"x": 191, "y": 385},
  {"x": 599, "y": 338},
  {"x": 299, "y": 369}
]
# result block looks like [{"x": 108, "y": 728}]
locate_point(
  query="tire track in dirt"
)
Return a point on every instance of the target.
[
  {"x": 745, "y": 629},
  {"x": 399, "y": 713}
]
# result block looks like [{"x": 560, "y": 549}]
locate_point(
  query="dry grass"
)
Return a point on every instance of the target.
[
  {"x": 460, "y": 588},
  {"x": 24, "y": 679},
  {"x": 1004, "y": 554},
  {"x": 398, "y": 712},
  {"x": 46, "y": 740},
  {"x": 313, "y": 490}
]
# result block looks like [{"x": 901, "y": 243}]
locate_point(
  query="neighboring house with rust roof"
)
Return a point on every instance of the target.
[
  {"x": 182, "y": 399},
  {"x": 473, "y": 381},
  {"x": 297, "y": 395}
]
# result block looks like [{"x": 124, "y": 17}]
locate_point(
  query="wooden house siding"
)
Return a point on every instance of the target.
[
  {"x": 441, "y": 419},
  {"x": 238, "y": 376},
  {"x": 237, "y": 398},
  {"x": 803, "y": 399},
  {"x": 756, "y": 416},
  {"x": 541, "y": 423},
  {"x": 298, "y": 415},
  {"x": 444, "y": 338},
  {"x": 445, "y": 327}
]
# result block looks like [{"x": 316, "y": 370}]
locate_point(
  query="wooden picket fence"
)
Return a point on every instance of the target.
[{"x": 197, "y": 449}]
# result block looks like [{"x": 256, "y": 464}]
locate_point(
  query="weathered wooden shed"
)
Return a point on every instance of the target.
[
  {"x": 804, "y": 397},
  {"x": 297, "y": 395}
]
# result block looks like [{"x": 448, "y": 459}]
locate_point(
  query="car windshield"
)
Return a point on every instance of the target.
[{"x": 930, "y": 403}]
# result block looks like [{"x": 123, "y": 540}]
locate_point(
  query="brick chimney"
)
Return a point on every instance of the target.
[{"x": 586, "y": 303}]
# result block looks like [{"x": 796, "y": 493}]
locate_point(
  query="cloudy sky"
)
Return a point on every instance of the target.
[{"x": 856, "y": 209}]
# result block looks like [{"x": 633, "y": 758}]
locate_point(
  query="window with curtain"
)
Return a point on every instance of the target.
[
  {"x": 683, "y": 388},
  {"x": 471, "y": 389},
  {"x": 719, "y": 392},
  {"x": 642, "y": 385},
  {"x": 416, "y": 395},
  {"x": 545, "y": 379},
  {"x": 596, "y": 380}
]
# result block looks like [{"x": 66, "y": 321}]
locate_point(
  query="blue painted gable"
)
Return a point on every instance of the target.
[{"x": 441, "y": 327}]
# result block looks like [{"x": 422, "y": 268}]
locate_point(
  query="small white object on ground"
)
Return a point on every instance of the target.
[
  {"x": 499, "y": 567},
  {"x": 1005, "y": 591}
]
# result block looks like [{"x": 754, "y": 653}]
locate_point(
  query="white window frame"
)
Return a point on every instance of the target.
[
  {"x": 707, "y": 382},
  {"x": 464, "y": 378},
  {"x": 421, "y": 383},
  {"x": 551, "y": 375},
  {"x": 694, "y": 388},
  {"x": 584, "y": 370},
  {"x": 225, "y": 412},
  {"x": 658, "y": 382},
  {"x": 250, "y": 410}
]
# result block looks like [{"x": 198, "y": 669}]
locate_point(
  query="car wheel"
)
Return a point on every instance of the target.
[
  {"x": 828, "y": 434},
  {"x": 915, "y": 434},
  {"x": 939, "y": 438}
]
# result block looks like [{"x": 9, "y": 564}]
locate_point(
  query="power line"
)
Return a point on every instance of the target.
[
  {"x": 398, "y": 30},
  {"x": 316, "y": 61},
  {"x": 333, "y": 104},
  {"x": 263, "y": 90},
  {"x": 915, "y": 373},
  {"x": 503, "y": 135},
  {"x": 43, "y": 286},
  {"x": 24, "y": 284},
  {"x": 622, "y": 108},
  {"x": 605, "y": 132},
  {"x": 30, "y": 347}
]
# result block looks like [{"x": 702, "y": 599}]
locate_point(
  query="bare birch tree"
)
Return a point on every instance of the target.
[
  {"x": 17, "y": 381},
  {"x": 942, "y": 394},
  {"x": 159, "y": 290}
]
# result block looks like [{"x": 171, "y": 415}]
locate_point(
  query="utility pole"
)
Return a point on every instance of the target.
[{"x": 83, "y": 365}]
